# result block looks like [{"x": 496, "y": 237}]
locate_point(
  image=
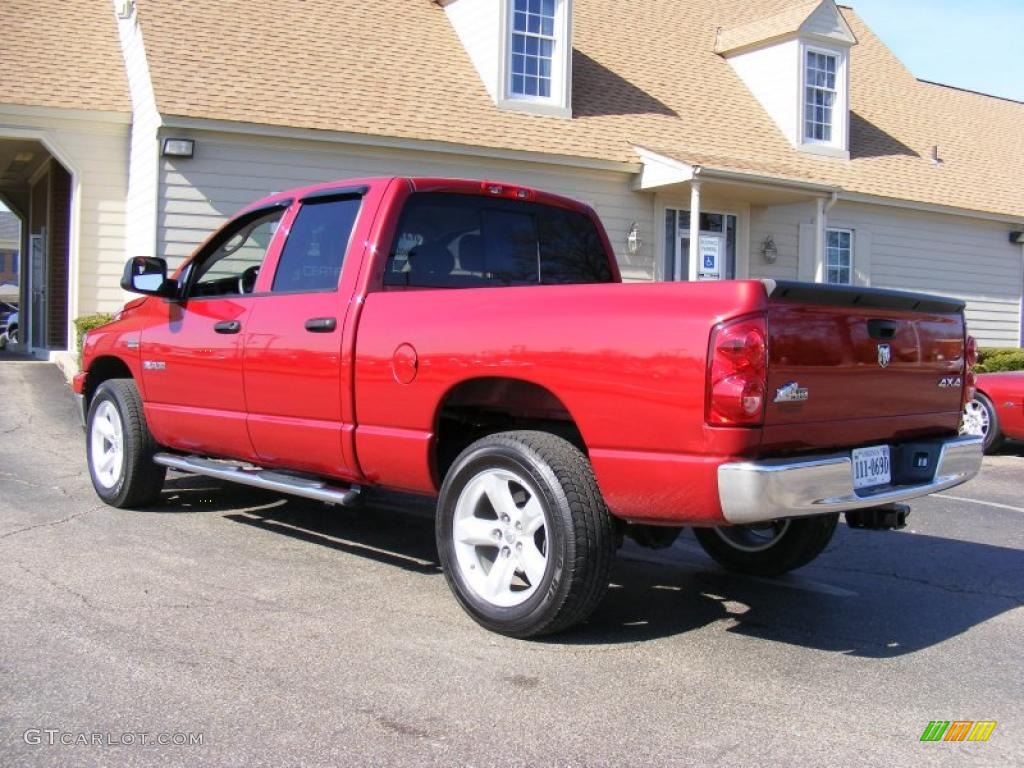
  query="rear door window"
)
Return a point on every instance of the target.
[
  {"x": 452, "y": 240},
  {"x": 314, "y": 252}
]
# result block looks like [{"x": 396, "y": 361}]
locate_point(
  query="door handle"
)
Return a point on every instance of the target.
[
  {"x": 321, "y": 324},
  {"x": 881, "y": 329},
  {"x": 227, "y": 326}
]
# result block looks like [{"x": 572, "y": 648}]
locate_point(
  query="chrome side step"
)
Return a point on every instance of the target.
[{"x": 271, "y": 480}]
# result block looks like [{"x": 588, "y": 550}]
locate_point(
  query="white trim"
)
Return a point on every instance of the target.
[
  {"x": 414, "y": 145},
  {"x": 144, "y": 144},
  {"x": 660, "y": 171},
  {"x": 853, "y": 255},
  {"x": 559, "y": 103},
  {"x": 96, "y": 116},
  {"x": 839, "y": 144},
  {"x": 859, "y": 197},
  {"x": 57, "y": 153},
  {"x": 694, "y": 254}
]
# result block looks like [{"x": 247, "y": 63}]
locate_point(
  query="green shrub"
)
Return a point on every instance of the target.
[
  {"x": 85, "y": 324},
  {"x": 993, "y": 359}
]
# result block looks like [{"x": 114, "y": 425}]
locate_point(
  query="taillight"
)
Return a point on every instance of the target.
[
  {"x": 970, "y": 360},
  {"x": 506, "y": 190},
  {"x": 737, "y": 373}
]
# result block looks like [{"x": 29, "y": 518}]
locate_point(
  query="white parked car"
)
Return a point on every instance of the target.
[{"x": 9, "y": 329}]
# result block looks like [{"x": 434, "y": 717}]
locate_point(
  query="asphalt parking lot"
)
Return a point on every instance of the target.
[{"x": 286, "y": 632}]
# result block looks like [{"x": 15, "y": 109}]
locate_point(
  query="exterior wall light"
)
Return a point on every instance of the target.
[
  {"x": 633, "y": 241},
  {"x": 769, "y": 251},
  {"x": 1017, "y": 238},
  {"x": 179, "y": 147}
]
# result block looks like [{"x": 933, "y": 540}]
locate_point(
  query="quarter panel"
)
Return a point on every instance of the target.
[{"x": 628, "y": 361}]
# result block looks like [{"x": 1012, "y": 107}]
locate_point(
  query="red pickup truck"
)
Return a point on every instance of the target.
[{"x": 473, "y": 341}]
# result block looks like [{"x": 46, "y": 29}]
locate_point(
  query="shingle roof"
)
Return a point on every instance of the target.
[
  {"x": 651, "y": 78},
  {"x": 764, "y": 27},
  {"x": 61, "y": 54}
]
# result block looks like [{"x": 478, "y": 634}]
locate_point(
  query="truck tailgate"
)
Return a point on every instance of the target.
[{"x": 847, "y": 365}]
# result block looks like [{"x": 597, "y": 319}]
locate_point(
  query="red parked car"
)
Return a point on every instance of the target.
[
  {"x": 997, "y": 410},
  {"x": 473, "y": 341}
]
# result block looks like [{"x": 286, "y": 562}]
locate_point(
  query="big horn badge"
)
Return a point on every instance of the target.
[{"x": 884, "y": 354}]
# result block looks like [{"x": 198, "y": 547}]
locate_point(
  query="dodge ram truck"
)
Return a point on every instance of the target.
[{"x": 473, "y": 341}]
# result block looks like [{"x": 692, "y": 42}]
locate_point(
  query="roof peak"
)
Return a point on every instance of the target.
[
  {"x": 970, "y": 90},
  {"x": 817, "y": 18}
]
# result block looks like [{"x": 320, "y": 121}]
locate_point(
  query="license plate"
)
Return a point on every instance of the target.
[{"x": 871, "y": 466}]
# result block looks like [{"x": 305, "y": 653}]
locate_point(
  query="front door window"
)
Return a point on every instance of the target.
[{"x": 716, "y": 248}]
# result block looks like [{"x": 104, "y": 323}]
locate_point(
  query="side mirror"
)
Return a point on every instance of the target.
[{"x": 148, "y": 275}]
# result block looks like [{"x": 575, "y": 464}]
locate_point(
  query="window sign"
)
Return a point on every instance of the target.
[{"x": 710, "y": 258}]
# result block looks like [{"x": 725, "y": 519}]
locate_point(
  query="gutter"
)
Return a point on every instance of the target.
[{"x": 773, "y": 182}]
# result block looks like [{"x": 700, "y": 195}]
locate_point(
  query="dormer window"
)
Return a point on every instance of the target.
[
  {"x": 796, "y": 63},
  {"x": 533, "y": 48},
  {"x": 522, "y": 50},
  {"x": 819, "y": 95}
]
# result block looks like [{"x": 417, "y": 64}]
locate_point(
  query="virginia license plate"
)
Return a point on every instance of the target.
[{"x": 871, "y": 466}]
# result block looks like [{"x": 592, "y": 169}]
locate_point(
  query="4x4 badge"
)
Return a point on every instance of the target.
[
  {"x": 884, "y": 354},
  {"x": 791, "y": 393}
]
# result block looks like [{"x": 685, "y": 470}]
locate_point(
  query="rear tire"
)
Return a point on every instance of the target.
[
  {"x": 524, "y": 536},
  {"x": 120, "y": 448},
  {"x": 768, "y": 549}
]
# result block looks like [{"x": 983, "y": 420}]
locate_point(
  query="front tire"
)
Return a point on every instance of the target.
[
  {"x": 120, "y": 448},
  {"x": 768, "y": 549},
  {"x": 524, "y": 536}
]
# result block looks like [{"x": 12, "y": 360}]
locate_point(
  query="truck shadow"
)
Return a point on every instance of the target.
[{"x": 863, "y": 597}]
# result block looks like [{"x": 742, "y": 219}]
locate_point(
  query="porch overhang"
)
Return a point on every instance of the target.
[{"x": 663, "y": 172}]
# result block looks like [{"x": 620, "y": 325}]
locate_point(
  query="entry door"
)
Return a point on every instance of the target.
[
  {"x": 297, "y": 379},
  {"x": 37, "y": 291},
  {"x": 711, "y": 255},
  {"x": 716, "y": 250},
  {"x": 192, "y": 360}
]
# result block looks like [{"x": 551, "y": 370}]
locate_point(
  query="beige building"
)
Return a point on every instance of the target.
[{"x": 785, "y": 135}]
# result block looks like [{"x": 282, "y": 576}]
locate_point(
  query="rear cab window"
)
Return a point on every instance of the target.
[{"x": 450, "y": 240}]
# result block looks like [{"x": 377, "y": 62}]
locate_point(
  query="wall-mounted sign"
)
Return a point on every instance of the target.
[{"x": 710, "y": 255}]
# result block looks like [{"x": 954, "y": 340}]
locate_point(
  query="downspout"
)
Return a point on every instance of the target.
[{"x": 824, "y": 205}]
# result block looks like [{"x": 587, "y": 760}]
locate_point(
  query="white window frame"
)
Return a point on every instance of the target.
[
  {"x": 838, "y": 145},
  {"x": 559, "y": 102},
  {"x": 540, "y": 37},
  {"x": 850, "y": 268},
  {"x": 810, "y": 125}
]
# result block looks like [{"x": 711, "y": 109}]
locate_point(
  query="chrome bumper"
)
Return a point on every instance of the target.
[{"x": 756, "y": 491}]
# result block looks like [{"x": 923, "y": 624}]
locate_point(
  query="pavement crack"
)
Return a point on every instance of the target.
[
  {"x": 61, "y": 587},
  {"x": 50, "y": 524}
]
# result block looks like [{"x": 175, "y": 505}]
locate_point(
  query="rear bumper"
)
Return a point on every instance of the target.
[{"x": 757, "y": 491}]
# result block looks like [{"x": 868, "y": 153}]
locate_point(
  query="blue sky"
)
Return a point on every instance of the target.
[{"x": 976, "y": 44}]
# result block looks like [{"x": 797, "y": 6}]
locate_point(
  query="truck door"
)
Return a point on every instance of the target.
[
  {"x": 192, "y": 362},
  {"x": 297, "y": 380}
]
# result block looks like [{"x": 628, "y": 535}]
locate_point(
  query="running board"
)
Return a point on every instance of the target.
[{"x": 296, "y": 485}]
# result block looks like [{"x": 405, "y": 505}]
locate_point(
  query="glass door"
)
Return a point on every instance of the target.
[
  {"x": 36, "y": 315},
  {"x": 716, "y": 248}
]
